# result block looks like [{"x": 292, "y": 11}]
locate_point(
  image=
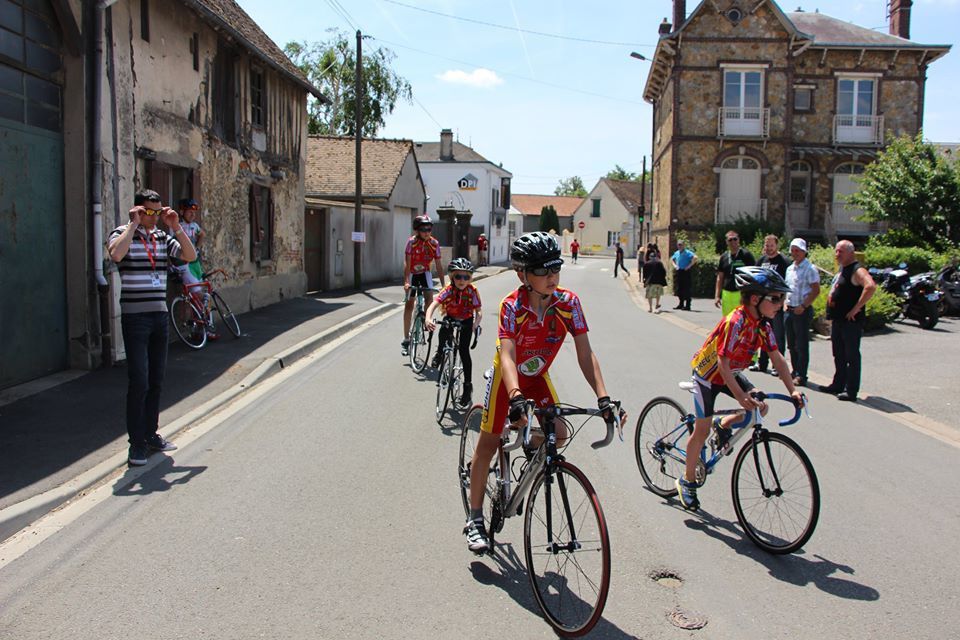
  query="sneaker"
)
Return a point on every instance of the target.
[
  {"x": 477, "y": 540},
  {"x": 687, "y": 492},
  {"x": 159, "y": 443},
  {"x": 756, "y": 367},
  {"x": 436, "y": 362},
  {"x": 467, "y": 398},
  {"x": 404, "y": 347},
  {"x": 137, "y": 456}
]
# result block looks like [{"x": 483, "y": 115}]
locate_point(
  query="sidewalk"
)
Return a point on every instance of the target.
[{"x": 55, "y": 436}]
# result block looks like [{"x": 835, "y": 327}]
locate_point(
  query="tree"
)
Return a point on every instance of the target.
[
  {"x": 548, "y": 219},
  {"x": 330, "y": 66},
  {"x": 571, "y": 187},
  {"x": 619, "y": 173},
  {"x": 915, "y": 189}
]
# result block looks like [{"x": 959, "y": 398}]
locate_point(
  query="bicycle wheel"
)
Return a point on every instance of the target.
[
  {"x": 660, "y": 431},
  {"x": 188, "y": 323},
  {"x": 227, "y": 317},
  {"x": 775, "y": 493},
  {"x": 468, "y": 443},
  {"x": 568, "y": 561},
  {"x": 443, "y": 386},
  {"x": 418, "y": 347}
]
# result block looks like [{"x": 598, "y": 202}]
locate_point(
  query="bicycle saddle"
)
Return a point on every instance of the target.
[{"x": 686, "y": 385}]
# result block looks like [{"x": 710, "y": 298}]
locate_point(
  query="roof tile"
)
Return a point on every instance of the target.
[{"x": 331, "y": 161}]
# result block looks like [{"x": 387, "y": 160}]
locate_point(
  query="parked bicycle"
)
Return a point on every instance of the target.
[
  {"x": 450, "y": 372},
  {"x": 191, "y": 312},
  {"x": 420, "y": 338},
  {"x": 775, "y": 491},
  {"x": 565, "y": 539}
]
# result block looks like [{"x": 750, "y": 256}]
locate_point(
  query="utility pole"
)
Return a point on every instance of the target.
[
  {"x": 358, "y": 134},
  {"x": 642, "y": 209}
]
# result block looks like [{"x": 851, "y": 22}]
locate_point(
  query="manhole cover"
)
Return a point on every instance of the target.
[
  {"x": 666, "y": 578},
  {"x": 686, "y": 619}
]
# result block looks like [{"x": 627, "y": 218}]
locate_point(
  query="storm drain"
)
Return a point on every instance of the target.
[
  {"x": 688, "y": 620},
  {"x": 666, "y": 578}
]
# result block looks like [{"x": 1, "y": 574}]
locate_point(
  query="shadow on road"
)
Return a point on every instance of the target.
[
  {"x": 794, "y": 568},
  {"x": 158, "y": 478}
]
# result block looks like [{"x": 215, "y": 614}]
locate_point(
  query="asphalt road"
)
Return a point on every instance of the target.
[{"x": 326, "y": 505}]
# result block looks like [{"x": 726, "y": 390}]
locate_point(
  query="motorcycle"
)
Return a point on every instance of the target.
[
  {"x": 948, "y": 279},
  {"x": 918, "y": 295}
]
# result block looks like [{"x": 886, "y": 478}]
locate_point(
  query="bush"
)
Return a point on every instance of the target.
[
  {"x": 882, "y": 308},
  {"x": 918, "y": 259},
  {"x": 749, "y": 229}
]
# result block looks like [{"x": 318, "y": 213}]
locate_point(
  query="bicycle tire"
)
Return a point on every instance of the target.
[
  {"x": 227, "y": 317},
  {"x": 766, "y": 518},
  {"x": 188, "y": 324},
  {"x": 577, "y": 519},
  {"x": 419, "y": 352},
  {"x": 469, "y": 435},
  {"x": 660, "y": 418},
  {"x": 443, "y": 387}
]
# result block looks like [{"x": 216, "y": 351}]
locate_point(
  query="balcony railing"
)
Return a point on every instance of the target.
[
  {"x": 855, "y": 129},
  {"x": 842, "y": 219},
  {"x": 743, "y": 122},
  {"x": 728, "y": 210}
]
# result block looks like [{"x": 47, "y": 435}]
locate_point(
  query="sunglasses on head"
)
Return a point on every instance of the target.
[
  {"x": 461, "y": 276},
  {"x": 775, "y": 299},
  {"x": 542, "y": 271}
]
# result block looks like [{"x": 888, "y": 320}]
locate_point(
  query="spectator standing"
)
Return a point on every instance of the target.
[
  {"x": 482, "y": 246},
  {"x": 654, "y": 280},
  {"x": 683, "y": 261},
  {"x": 772, "y": 259},
  {"x": 727, "y": 297},
  {"x": 574, "y": 250},
  {"x": 804, "y": 282},
  {"x": 619, "y": 262},
  {"x": 850, "y": 290},
  {"x": 142, "y": 252}
]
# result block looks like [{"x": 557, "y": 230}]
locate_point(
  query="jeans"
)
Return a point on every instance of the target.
[
  {"x": 798, "y": 340},
  {"x": 845, "y": 336},
  {"x": 777, "y": 323},
  {"x": 619, "y": 265},
  {"x": 145, "y": 341}
]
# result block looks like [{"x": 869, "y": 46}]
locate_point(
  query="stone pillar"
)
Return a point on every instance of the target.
[
  {"x": 461, "y": 234},
  {"x": 447, "y": 216}
]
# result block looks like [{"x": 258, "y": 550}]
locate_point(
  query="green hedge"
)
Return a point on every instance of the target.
[{"x": 882, "y": 308}]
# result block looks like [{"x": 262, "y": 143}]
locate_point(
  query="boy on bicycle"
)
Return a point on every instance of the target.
[
  {"x": 460, "y": 301},
  {"x": 718, "y": 366},
  {"x": 422, "y": 249},
  {"x": 533, "y": 322}
]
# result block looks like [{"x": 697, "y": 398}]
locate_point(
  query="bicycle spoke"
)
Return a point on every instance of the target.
[{"x": 661, "y": 434}]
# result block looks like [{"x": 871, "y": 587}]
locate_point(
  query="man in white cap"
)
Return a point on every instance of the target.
[{"x": 804, "y": 281}]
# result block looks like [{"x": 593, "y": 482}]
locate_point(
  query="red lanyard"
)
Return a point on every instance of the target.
[{"x": 153, "y": 262}]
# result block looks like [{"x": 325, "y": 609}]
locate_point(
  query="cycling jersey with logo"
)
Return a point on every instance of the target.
[
  {"x": 422, "y": 253},
  {"x": 539, "y": 342},
  {"x": 458, "y": 304},
  {"x": 737, "y": 337}
]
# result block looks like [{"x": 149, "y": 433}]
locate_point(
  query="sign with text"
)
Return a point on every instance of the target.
[{"x": 358, "y": 236}]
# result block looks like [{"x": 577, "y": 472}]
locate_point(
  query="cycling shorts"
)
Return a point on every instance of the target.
[
  {"x": 705, "y": 394},
  {"x": 496, "y": 404},
  {"x": 422, "y": 280}
]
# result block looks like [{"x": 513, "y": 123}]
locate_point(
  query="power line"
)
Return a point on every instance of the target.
[
  {"x": 509, "y": 28},
  {"x": 427, "y": 112},
  {"x": 340, "y": 11}
]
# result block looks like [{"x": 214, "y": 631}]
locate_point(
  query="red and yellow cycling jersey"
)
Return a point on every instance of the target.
[
  {"x": 538, "y": 341},
  {"x": 421, "y": 253},
  {"x": 458, "y": 304},
  {"x": 737, "y": 337}
]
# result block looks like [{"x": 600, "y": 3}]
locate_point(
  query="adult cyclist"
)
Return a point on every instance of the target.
[
  {"x": 422, "y": 250},
  {"x": 533, "y": 322}
]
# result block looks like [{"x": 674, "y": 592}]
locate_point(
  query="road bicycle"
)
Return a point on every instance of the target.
[
  {"x": 191, "y": 312},
  {"x": 420, "y": 338},
  {"x": 450, "y": 372},
  {"x": 565, "y": 539},
  {"x": 775, "y": 491}
]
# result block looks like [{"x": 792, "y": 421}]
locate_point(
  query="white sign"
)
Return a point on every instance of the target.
[{"x": 358, "y": 236}]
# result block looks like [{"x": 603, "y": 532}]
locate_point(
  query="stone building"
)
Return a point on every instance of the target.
[{"x": 769, "y": 114}]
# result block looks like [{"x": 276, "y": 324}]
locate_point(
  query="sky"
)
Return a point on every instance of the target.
[{"x": 568, "y": 99}]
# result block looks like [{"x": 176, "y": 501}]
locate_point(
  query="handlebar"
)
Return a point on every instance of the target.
[
  {"x": 761, "y": 396},
  {"x": 558, "y": 411}
]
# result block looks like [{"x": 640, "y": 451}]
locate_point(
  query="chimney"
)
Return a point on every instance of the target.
[
  {"x": 900, "y": 18},
  {"x": 679, "y": 12},
  {"x": 665, "y": 27},
  {"x": 446, "y": 144}
]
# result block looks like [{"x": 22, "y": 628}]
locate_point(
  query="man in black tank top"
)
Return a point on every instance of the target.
[{"x": 848, "y": 296}]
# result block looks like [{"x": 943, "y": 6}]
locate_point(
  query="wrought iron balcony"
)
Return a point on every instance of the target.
[
  {"x": 856, "y": 129},
  {"x": 743, "y": 122}
]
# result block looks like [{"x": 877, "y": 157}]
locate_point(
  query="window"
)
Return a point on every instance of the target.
[
  {"x": 494, "y": 199},
  {"x": 855, "y": 97},
  {"x": 850, "y": 169},
  {"x": 613, "y": 237},
  {"x": 799, "y": 183},
  {"x": 224, "y": 94},
  {"x": 742, "y": 89},
  {"x": 261, "y": 223},
  {"x": 505, "y": 193},
  {"x": 596, "y": 208},
  {"x": 145, "y": 20},
  {"x": 195, "y": 50},
  {"x": 803, "y": 98},
  {"x": 740, "y": 162},
  {"x": 29, "y": 39},
  {"x": 258, "y": 101}
]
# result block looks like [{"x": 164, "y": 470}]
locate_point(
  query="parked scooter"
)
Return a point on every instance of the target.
[
  {"x": 948, "y": 279},
  {"x": 918, "y": 295}
]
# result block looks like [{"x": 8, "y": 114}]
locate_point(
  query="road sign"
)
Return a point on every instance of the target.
[{"x": 581, "y": 224}]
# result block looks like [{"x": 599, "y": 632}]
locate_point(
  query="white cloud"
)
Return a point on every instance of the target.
[{"x": 480, "y": 78}]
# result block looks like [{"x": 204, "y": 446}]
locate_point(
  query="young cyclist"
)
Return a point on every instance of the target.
[
  {"x": 728, "y": 350},
  {"x": 422, "y": 249},
  {"x": 533, "y": 322},
  {"x": 460, "y": 301}
]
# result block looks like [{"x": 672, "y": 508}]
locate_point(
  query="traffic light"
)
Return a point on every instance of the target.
[{"x": 640, "y": 213}]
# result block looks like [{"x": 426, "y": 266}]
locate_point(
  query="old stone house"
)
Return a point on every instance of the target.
[
  {"x": 609, "y": 215},
  {"x": 392, "y": 194},
  {"x": 769, "y": 114}
]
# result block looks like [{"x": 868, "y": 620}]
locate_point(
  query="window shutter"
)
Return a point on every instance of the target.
[{"x": 256, "y": 233}]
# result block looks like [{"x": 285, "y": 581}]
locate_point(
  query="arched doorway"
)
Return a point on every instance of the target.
[{"x": 739, "y": 190}]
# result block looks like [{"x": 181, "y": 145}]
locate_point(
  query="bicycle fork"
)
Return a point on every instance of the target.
[
  {"x": 552, "y": 546},
  {"x": 758, "y": 439}
]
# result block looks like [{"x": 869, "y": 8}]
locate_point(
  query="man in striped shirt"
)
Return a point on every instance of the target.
[{"x": 142, "y": 252}]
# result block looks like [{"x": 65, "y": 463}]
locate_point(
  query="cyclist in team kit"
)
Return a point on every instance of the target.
[
  {"x": 422, "y": 250},
  {"x": 460, "y": 301},
  {"x": 533, "y": 322},
  {"x": 718, "y": 366}
]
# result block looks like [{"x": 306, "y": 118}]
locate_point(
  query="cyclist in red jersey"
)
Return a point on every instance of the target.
[
  {"x": 461, "y": 301},
  {"x": 533, "y": 322},
  {"x": 422, "y": 250},
  {"x": 718, "y": 366}
]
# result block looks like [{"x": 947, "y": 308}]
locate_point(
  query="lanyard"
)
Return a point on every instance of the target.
[{"x": 153, "y": 261}]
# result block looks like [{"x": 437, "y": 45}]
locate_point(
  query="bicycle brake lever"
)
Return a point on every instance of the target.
[{"x": 620, "y": 417}]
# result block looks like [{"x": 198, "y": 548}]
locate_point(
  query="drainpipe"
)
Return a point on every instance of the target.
[{"x": 96, "y": 177}]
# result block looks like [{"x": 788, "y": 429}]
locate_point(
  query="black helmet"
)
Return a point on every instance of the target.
[
  {"x": 420, "y": 221},
  {"x": 460, "y": 264},
  {"x": 760, "y": 280},
  {"x": 535, "y": 249}
]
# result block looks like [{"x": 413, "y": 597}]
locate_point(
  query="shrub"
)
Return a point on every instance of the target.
[
  {"x": 917, "y": 259},
  {"x": 882, "y": 308},
  {"x": 749, "y": 229}
]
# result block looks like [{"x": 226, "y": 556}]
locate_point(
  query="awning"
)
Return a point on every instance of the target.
[
  {"x": 317, "y": 203},
  {"x": 799, "y": 152}
]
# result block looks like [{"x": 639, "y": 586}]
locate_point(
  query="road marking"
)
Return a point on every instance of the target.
[{"x": 32, "y": 535}]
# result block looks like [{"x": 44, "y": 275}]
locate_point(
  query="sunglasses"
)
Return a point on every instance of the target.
[
  {"x": 542, "y": 271},
  {"x": 774, "y": 299},
  {"x": 151, "y": 212},
  {"x": 427, "y": 229},
  {"x": 733, "y": 239},
  {"x": 461, "y": 276}
]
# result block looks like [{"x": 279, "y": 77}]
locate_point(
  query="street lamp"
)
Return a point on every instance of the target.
[{"x": 638, "y": 56}]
